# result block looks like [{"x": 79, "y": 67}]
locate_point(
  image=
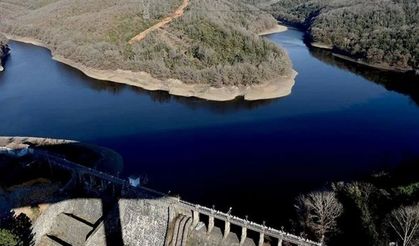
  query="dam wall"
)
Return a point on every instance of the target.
[{"x": 108, "y": 210}]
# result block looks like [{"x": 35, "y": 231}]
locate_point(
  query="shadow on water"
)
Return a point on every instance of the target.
[
  {"x": 163, "y": 97},
  {"x": 404, "y": 83},
  {"x": 237, "y": 104}
]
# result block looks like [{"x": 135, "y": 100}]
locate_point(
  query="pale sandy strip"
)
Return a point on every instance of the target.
[
  {"x": 321, "y": 46},
  {"x": 276, "y": 29}
]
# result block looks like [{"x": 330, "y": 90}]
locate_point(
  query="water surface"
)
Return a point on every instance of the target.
[{"x": 341, "y": 122}]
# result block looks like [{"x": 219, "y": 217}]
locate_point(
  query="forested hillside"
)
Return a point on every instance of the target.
[
  {"x": 379, "y": 32},
  {"x": 213, "y": 42}
]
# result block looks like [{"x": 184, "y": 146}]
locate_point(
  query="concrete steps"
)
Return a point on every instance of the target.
[
  {"x": 69, "y": 229},
  {"x": 71, "y": 222},
  {"x": 51, "y": 241}
]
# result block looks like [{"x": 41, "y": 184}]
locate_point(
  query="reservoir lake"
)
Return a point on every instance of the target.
[{"x": 341, "y": 122}]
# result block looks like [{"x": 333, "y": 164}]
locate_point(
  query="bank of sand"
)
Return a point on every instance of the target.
[
  {"x": 384, "y": 67},
  {"x": 321, "y": 45},
  {"x": 276, "y": 29},
  {"x": 275, "y": 88}
]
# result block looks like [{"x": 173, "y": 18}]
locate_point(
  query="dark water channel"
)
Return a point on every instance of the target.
[{"x": 341, "y": 122}]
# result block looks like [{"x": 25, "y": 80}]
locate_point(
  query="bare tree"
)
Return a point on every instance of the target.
[
  {"x": 405, "y": 222},
  {"x": 318, "y": 212}
]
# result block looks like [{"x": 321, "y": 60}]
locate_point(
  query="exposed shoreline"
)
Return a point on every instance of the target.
[
  {"x": 276, "y": 29},
  {"x": 275, "y": 88},
  {"x": 322, "y": 46},
  {"x": 376, "y": 66}
]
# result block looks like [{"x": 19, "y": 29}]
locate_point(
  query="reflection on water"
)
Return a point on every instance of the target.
[
  {"x": 164, "y": 97},
  {"x": 405, "y": 83},
  {"x": 197, "y": 103}
]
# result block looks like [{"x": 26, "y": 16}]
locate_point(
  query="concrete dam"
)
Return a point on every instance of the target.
[{"x": 91, "y": 207}]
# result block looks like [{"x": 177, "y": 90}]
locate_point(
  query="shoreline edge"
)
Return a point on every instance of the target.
[{"x": 276, "y": 88}]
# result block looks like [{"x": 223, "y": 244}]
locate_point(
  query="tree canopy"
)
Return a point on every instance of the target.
[
  {"x": 214, "y": 42},
  {"x": 379, "y": 32}
]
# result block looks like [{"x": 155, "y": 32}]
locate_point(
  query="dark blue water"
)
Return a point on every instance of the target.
[{"x": 341, "y": 122}]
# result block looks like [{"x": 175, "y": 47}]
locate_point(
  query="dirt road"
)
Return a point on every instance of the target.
[{"x": 178, "y": 13}]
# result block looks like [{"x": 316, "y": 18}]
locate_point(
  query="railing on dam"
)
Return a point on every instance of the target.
[
  {"x": 227, "y": 218},
  {"x": 263, "y": 230}
]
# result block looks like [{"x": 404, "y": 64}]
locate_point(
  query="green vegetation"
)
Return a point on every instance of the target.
[
  {"x": 214, "y": 42},
  {"x": 379, "y": 32},
  {"x": 15, "y": 230},
  {"x": 409, "y": 190},
  {"x": 7, "y": 238}
]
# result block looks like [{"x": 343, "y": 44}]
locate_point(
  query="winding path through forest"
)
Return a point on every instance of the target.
[{"x": 178, "y": 13}]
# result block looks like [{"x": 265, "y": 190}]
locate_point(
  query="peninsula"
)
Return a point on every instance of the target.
[{"x": 205, "y": 49}]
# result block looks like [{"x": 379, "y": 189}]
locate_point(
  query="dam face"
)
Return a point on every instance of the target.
[{"x": 90, "y": 207}]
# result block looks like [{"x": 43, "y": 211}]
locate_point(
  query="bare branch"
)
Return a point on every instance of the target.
[
  {"x": 319, "y": 211},
  {"x": 405, "y": 223}
]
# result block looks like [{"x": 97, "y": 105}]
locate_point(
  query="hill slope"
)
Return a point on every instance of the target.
[
  {"x": 212, "y": 43},
  {"x": 380, "y": 32}
]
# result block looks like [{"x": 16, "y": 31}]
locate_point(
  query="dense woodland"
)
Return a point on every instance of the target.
[
  {"x": 381, "y": 32},
  {"x": 209, "y": 44}
]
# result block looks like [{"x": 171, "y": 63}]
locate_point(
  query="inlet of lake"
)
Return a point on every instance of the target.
[{"x": 341, "y": 122}]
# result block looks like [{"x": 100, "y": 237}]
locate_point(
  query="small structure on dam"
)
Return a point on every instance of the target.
[{"x": 90, "y": 207}]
